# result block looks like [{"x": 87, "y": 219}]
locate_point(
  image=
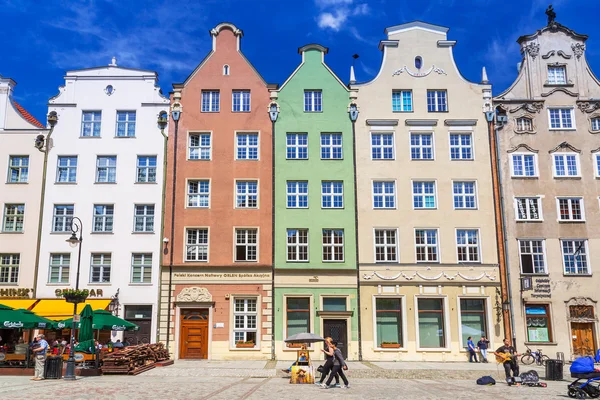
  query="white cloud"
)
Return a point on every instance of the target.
[
  {"x": 335, "y": 13},
  {"x": 328, "y": 20},
  {"x": 329, "y": 3},
  {"x": 361, "y": 9}
]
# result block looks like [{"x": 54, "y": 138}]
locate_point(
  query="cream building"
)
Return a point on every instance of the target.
[
  {"x": 21, "y": 166},
  {"x": 550, "y": 165},
  {"x": 429, "y": 275}
]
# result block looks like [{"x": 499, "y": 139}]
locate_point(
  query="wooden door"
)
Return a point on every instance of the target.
[
  {"x": 193, "y": 336},
  {"x": 583, "y": 338},
  {"x": 337, "y": 329}
]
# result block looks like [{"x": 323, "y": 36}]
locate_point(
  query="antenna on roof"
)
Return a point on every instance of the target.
[{"x": 113, "y": 62}]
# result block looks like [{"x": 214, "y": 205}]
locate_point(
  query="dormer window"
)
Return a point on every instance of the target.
[
  {"x": 557, "y": 75},
  {"x": 226, "y": 70},
  {"x": 524, "y": 124},
  {"x": 596, "y": 124}
]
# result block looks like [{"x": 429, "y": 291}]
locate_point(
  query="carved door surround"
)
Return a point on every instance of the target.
[
  {"x": 582, "y": 318},
  {"x": 193, "y": 318}
]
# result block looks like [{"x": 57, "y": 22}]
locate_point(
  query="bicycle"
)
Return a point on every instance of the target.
[{"x": 534, "y": 356}]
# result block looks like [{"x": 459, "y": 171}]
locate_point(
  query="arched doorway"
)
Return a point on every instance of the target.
[{"x": 193, "y": 336}]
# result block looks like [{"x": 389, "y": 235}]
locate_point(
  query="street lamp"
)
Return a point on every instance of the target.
[{"x": 74, "y": 241}]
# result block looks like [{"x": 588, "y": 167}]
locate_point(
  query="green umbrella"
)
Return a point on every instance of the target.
[
  {"x": 86, "y": 333},
  {"x": 15, "y": 319},
  {"x": 103, "y": 321}
]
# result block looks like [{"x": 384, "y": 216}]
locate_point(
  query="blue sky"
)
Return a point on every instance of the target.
[{"x": 43, "y": 39}]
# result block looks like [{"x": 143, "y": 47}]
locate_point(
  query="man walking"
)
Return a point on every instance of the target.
[
  {"x": 40, "y": 357},
  {"x": 483, "y": 346}
]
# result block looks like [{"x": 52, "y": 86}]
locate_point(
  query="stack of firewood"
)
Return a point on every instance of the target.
[{"x": 134, "y": 360}]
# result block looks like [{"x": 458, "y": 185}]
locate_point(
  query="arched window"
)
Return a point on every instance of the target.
[
  {"x": 418, "y": 62},
  {"x": 524, "y": 124},
  {"x": 225, "y": 69}
]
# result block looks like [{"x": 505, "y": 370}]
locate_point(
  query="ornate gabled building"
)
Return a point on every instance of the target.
[{"x": 548, "y": 123}]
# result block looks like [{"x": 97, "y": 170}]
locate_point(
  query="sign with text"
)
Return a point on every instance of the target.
[
  {"x": 541, "y": 288},
  {"x": 93, "y": 292},
  {"x": 223, "y": 276},
  {"x": 17, "y": 292}
]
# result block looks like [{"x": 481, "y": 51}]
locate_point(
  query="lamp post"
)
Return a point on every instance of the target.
[
  {"x": 74, "y": 241},
  {"x": 273, "y": 114}
]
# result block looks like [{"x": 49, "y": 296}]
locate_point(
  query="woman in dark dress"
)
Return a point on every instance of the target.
[{"x": 328, "y": 366}]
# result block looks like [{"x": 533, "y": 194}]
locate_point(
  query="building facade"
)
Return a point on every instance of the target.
[
  {"x": 429, "y": 275},
  {"x": 21, "y": 167},
  {"x": 549, "y": 149},
  {"x": 315, "y": 234},
  {"x": 216, "y": 291},
  {"x": 106, "y": 168}
]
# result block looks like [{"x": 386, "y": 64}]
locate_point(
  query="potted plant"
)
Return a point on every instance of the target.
[
  {"x": 75, "y": 295},
  {"x": 244, "y": 345},
  {"x": 294, "y": 345},
  {"x": 389, "y": 345}
]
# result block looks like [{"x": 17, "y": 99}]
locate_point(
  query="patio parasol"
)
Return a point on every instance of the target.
[
  {"x": 304, "y": 338},
  {"x": 86, "y": 333},
  {"x": 104, "y": 321},
  {"x": 15, "y": 319}
]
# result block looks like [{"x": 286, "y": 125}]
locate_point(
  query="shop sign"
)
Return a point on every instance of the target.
[
  {"x": 78, "y": 357},
  {"x": 217, "y": 276},
  {"x": 9, "y": 324},
  {"x": 118, "y": 328},
  {"x": 541, "y": 288},
  {"x": 16, "y": 292},
  {"x": 93, "y": 292}
]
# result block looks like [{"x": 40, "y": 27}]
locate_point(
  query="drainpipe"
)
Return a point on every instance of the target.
[
  {"x": 162, "y": 123},
  {"x": 43, "y": 145},
  {"x": 273, "y": 114}
]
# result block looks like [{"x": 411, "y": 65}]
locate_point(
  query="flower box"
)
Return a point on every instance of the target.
[
  {"x": 294, "y": 345},
  {"x": 245, "y": 345},
  {"x": 75, "y": 296},
  {"x": 389, "y": 345}
]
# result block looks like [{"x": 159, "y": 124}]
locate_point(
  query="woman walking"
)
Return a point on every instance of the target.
[
  {"x": 339, "y": 366},
  {"x": 328, "y": 366}
]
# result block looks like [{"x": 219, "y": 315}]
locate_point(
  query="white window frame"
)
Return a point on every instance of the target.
[
  {"x": 522, "y": 155},
  {"x": 102, "y": 267},
  {"x": 564, "y": 157},
  {"x": 330, "y": 232},
  {"x": 144, "y": 265},
  {"x": 297, "y": 244},
  {"x": 65, "y": 217},
  {"x": 92, "y": 122},
  {"x": 245, "y": 314},
  {"x": 195, "y": 196},
  {"x": 15, "y": 218},
  {"x": 212, "y": 107},
  {"x": 426, "y": 246},
  {"x": 527, "y": 208},
  {"x": 144, "y": 217},
  {"x": 22, "y": 169},
  {"x": 330, "y": 147},
  {"x": 127, "y": 123},
  {"x": 524, "y": 124},
  {"x": 436, "y": 96},
  {"x": 586, "y": 250},
  {"x": 488, "y": 318},
  {"x": 296, "y": 194},
  {"x": 376, "y": 343},
  {"x": 11, "y": 269},
  {"x": 421, "y": 146},
  {"x": 384, "y": 195},
  {"x": 242, "y": 95},
  {"x": 461, "y": 147},
  {"x": 424, "y": 195},
  {"x": 105, "y": 219},
  {"x": 446, "y": 317},
  {"x": 562, "y": 126},
  {"x": 531, "y": 254},
  {"x": 247, "y": 147},
  {"x": 595, "y": 122},
  {"x": 313, "y": 104},
  {"x": 464, "y": 195},
  {"x": 386, "y": 245},
  {"x": 104, "y": 163},
  {"x": 148, "y": 170},
  {"x": 200, "y": 246},
  {"x": 596, "y": 160},
  {"x": 382, "y": 147},
  {"x": 243, "y": 196},
  {"x": 246, "y": 243},
  {"x": 468, "y": 246},
  {"x": 204, "y": 152},
  {"x": 328, "y": 192},
  {"x": 62, "y": 266},
  {"x": 554, "y": 76},
  {"x": 401, "y": 93},
  {"x": 296, "y": 147},
  {"x": 570, "y": 208},
  {"x": 69, "y": 169}
]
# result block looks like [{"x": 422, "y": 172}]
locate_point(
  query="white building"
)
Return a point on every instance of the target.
[
  {"x": 20, "y": 190},
  {"x": 106, "y": 168}
]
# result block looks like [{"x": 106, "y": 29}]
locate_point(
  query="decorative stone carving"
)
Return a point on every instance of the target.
[
  {"x": 194, "y": 294},
  {"x": 419, "y": 74},
  {"x": 549, "y": 54},
  {"x": 560, "y": 89},
  {"x": 564, "y": 55},
  {"x": 565, "y": 145},
  {"x": 536, "y": 107},
  {"x": 575, "y": 304},
  {"x": 532, "y": 48},
  {"x": 522, "y": 145},
  {"x": 450, "y": 277},
  {"x": 588, "y": 106},
  {"x": 578, "y": 49}
]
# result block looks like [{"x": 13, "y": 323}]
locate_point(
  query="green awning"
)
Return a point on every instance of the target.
[
  {"x": 22, "y": 319},
  {"x": 103, "y": 321}
]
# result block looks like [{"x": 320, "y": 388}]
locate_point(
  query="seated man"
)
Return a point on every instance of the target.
[{"x": 508, "y": 356}]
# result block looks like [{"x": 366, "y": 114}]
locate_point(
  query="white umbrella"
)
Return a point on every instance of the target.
[{"x": 304, "y": 338}]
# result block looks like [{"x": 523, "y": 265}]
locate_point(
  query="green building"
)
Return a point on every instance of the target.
[{"x": 315, "y": 231}]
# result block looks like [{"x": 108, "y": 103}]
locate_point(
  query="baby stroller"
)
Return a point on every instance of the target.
[{"x": 585, "y": 385}]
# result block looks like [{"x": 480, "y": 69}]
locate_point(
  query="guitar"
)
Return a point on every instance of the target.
[{"x": 504, "y": 357}]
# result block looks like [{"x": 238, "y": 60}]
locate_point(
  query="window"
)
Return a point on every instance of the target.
[
  {"x": 335, "y": 304},
  {"x": 226, "y": 69},
  {"x": 18, "y": 169},
  {"x": 125, "y": 124},
  {"x": 473, "y": 319},
  {"x": 331, "y": 146},
  {"x": 386, "y": 245},
  {"x": 196, "y": 245},
  {"x": 570, "y": 209},
  {"x": 296, "y": 146},
  {"x": 575, "y": 259},
  {"x": 9, "y": 268},
  {"x": 528, "y": 208},
  {"x": 313, "y": 101},
  {"x": 561, "y": 118},
  {"x": 240, "y": 101},
  {"x": 565, "y": 165},
  {"x": 332, "y": 194},
  {"x": 106, "y": 169},
  {"x": 61, "y": 220},
  {"x": 297, "y": 194},
  {"x": 596, "y": 124},
  {"x": 103, "y": 218},
  {"x": 246, "y": 194},
  {"x": 424, "y": 195},
  {"x": 297, "y": 315},
  {"x": 246, "y": 245},
  {"x": 418, "y": 62},
  {"x": 436, "y": 101},
  {"x": 467, "y": 245},
  {"x": 198, "y": 194},
  {"x": 461, "y": 146},
  {"x": 533, "y": 257},
  {"x": 384, "y": 194},
  {"x": 333, "y": 245},
  {"x": 13, "y": 217},
  {"x": 388, "y": 321},
  {"x": 200, "y": 146},
  {"x": 464, "y": 195},
  {"x": 557, "y": 75},
  {"x": 146, "y": 169},
  {"x": 141, "y": 268},
  {"x": 297, "y": 245},
  {"x": 524, "y": 165},
  {"x": 66, "y": 170},
  {"x": 247, "y": 146},
  {"x": 90, "y": 123},
  {"x": 597, "y": 164},
  {"x": 245, "y": 314},
  {"x": 538, "y": 323},
  {"x": 144, "y": 218},
  {"x": 59, "y": 268},
  {"x": 210, "y": 100},
  {"x": 524, "y": 124},
  {"x": 426, "y": 245},
  {"x": 402, "y": 101},
  {"x": 382, "y": 146},
  {"x": 421, "y": 146},
  {"x": 432, "y": 332},
  {"x": 100, "y": 268}
]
